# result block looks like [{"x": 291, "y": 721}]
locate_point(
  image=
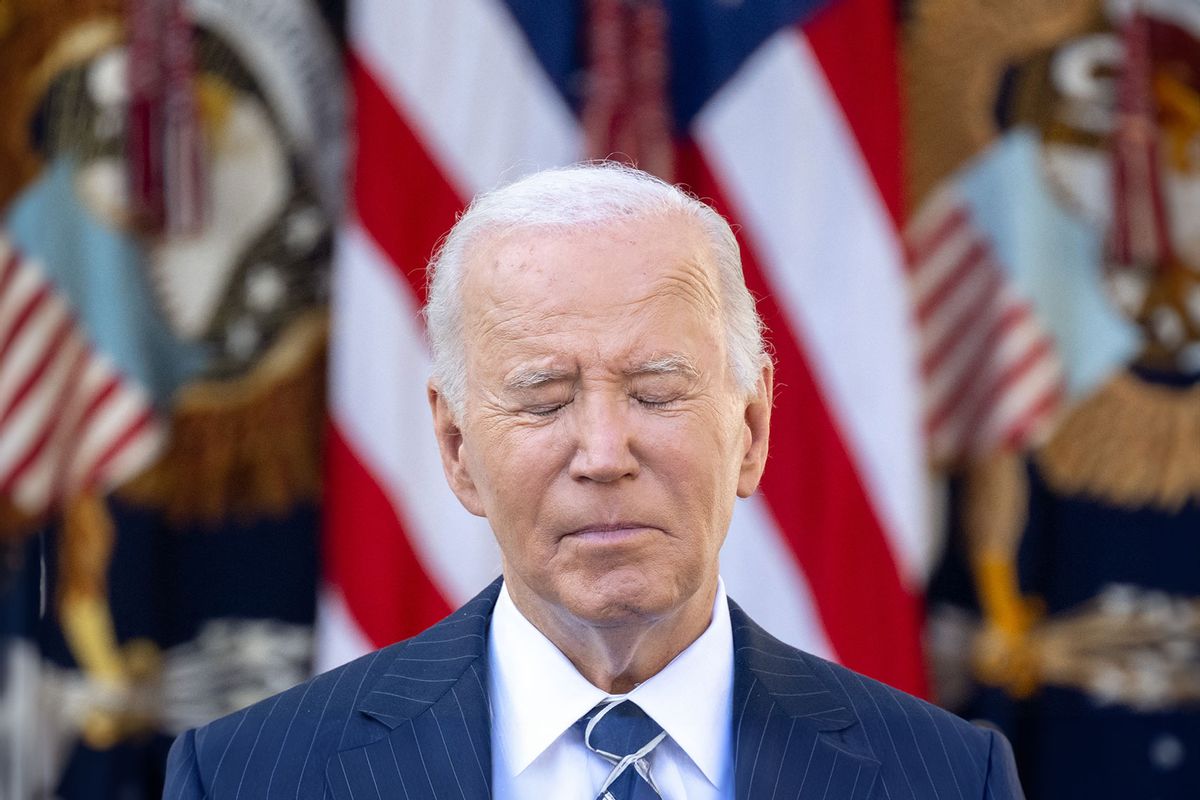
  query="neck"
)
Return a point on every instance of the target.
[{"x": 616, "y": 657}]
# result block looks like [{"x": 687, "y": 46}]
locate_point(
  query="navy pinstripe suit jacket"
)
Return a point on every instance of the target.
[{"x": 412, "y": 721}]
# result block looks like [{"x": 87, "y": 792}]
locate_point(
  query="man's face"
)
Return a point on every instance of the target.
[{"x": 603, "y": 435}]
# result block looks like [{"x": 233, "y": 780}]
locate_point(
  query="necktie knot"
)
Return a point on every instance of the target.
[{"x": 621, "y": 732}]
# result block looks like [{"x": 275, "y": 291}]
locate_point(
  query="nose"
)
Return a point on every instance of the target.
[{"x": 603, "y": 441}]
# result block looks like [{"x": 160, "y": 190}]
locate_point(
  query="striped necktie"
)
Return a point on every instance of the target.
[{"x": 624, "y": 735}]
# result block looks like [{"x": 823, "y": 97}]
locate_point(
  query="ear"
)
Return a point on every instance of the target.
[
  {"x": 757, "y": 430},
  {"x": 450, "y": 444}
]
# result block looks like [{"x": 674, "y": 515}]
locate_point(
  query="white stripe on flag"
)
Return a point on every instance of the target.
[
  {"x": 106, "y": 424},
  {"x": 96, "y": 373},
  {"x": 27, "y": 422},
  {"x": 1004, "y": 351},
  {"x": 464, "y": 77},
  {"x": 1039, "y": 379},
  {"x": 972, "y": 304},
  {"x": 24, "y": 284},
  {"x": 132, "y": 456},
  {"x": 30, "y": 346},
  {"x": 38, "y": 412},
  {"x": 937, "y": 267},
  {"x": 842, "y": 286}
]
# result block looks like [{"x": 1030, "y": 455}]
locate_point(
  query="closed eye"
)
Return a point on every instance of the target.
[
  {"x": 546, "y": 411},
  {"x": 653, "y": 402}
]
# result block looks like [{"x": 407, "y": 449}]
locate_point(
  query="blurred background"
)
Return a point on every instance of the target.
[{"x": 973, "y": 228}]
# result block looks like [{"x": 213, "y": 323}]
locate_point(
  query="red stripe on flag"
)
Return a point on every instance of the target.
[
  {"x": 855, "y": 43},
  {"x": 10, "y": 272},
  {"x": 968, "y": 379},
  {"x": 51, "y": 424},
  {"x": 22, "y": 318},
  {"x": 967, "y": 265},
  {"x": 401, "y": 196},
  {"x": 975, "y": 316},
  {"x": 1020, "y": 431},
  {"x": 368, "y": 555},
  {"x": 101, "y": 396},
  {"x": 133, "y": 430},
  {"x": 919, "y": 251},
  {"x": 75, "y": 420},
  {"x": 819, "y": 501},
  {"x": 50, "y": 352},
  {"x": 987, "y": 400}
]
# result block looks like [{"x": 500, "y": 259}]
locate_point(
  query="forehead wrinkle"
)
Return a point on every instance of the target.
[
  {"x": 512, "y": 319},
  {"x": 691, "y": 280},
  {"x": 496, "y": 311}
]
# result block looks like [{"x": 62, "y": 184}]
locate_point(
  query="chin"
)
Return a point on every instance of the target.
[{"x": 622, "y": 596}]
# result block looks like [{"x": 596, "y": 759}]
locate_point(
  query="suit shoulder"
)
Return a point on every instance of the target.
[
  {"x": 874, "y": 700},
  {"x": 920, "y": 745}
]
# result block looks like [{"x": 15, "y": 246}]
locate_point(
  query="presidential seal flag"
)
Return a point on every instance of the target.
[
  {"x": 170, "y": 178},
  {"x": 1072, "y": 151}
]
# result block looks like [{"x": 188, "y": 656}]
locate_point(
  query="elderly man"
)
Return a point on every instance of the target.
[{"x": 601, "y": 394}]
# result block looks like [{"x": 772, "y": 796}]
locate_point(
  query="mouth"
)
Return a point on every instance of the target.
[{"x": 614, "y": 533}]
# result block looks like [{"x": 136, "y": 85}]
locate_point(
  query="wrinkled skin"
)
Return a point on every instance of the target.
[{"x": 603, "y": 436}]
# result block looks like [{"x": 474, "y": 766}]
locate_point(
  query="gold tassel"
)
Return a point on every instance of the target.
[
  {"x": 996, "y": 510},
  {"x": 85, "y": 552},
  {"x": 125, "y": 676}
]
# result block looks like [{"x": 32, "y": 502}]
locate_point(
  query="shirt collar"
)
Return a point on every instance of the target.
[
  {"x": 692, "y": 697},
  {"x": 539, "y": 694}
]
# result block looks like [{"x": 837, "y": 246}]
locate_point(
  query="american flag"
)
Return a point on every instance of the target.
[
  {"x": 993, "y": 379},
  {"x": 785, "y": 115},
  {"x": 70, "y": 421}
]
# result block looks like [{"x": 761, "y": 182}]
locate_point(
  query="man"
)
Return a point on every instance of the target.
[{"x": 601, "y": 394}]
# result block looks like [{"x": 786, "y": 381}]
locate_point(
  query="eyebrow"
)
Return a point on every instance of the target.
[
  {"x": 668, "y": 364},
  {"x": 533, "y": 377}
]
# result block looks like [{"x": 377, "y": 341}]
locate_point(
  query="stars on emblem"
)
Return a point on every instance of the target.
[
  {"x": 265, "y": 288},
  {"x": 242, "y": 338},
  {"x": 302, "y": 229}
]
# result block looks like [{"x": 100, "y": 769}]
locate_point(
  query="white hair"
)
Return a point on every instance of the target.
[{"x": 583, "y": 195}]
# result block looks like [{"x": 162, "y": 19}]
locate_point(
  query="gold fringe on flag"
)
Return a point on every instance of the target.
[
  {"x": 1130, "y": 444},
  {"x": 248, "y": 445}
]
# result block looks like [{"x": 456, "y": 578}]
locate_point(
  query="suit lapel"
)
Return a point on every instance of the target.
[
  {"x": 433, "y": 701},
  {"x": 795, "y": 733}
]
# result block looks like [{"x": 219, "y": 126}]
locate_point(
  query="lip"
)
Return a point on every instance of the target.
[{"x": 611, "y": 532}]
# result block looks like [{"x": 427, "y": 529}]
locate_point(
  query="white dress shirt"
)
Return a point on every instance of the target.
[{"x": 537, "y": 696}]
